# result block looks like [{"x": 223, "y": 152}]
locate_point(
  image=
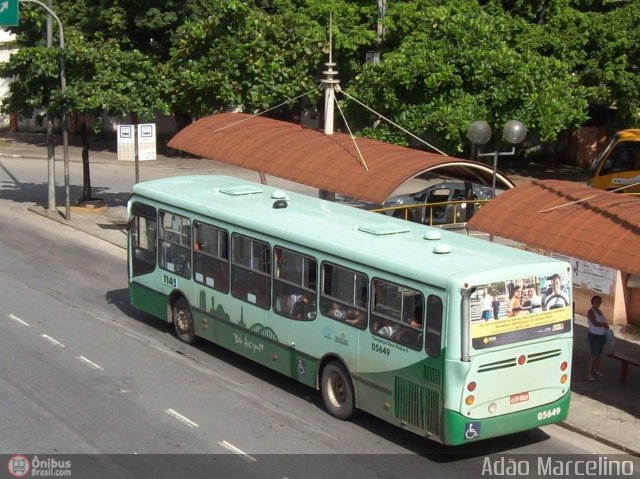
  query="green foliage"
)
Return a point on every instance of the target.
[
  {"x": 451, "y": 63},
  {"x": 251, "y": 58},
  {"x": 445, "y": 63}
]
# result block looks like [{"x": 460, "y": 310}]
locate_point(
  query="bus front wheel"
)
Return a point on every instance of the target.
[
  {"x": 183, "y": 321},
  {"x": 337, "y": 391}
]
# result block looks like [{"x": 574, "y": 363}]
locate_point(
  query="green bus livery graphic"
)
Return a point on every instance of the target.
[{"x": 450, "y": 337}]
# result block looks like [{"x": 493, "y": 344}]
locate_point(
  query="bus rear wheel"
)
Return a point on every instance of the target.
[
  {"x": 183, "y": 321},
  {"x": 337, "y": 391}
]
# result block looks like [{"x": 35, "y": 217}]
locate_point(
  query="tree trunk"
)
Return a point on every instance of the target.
[{"x": 86, "y": 174}]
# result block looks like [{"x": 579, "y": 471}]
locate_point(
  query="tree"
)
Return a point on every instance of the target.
[
  {"x": 102, "y": 77},
  {"x": 447, "y": 64},
  {"x": 257, "y": 56},
  {"x": 444, "y": 63}
]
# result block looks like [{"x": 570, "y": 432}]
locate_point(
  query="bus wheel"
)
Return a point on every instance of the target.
[
  {"x": 337, "y": 391},
  {"x": 183, "y": 321}
]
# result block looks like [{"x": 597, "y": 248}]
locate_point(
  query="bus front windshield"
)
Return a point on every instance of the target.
[{"x": 522, "y": 309}]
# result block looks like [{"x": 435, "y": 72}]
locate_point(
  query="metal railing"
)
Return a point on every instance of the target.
[{"x": 458, "y": 208}]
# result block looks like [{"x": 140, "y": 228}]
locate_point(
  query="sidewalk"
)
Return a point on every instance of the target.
[{"x": 604, "y": 410}]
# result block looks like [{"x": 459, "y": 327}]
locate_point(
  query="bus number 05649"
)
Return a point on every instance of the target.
[
  {"x": 548, "y": 414},
  {"x": 380, "y": 349}
]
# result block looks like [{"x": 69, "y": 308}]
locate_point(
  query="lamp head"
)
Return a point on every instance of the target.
[
  {"x": 514, "y": 132},
  {"x": 479, "y": 132}
]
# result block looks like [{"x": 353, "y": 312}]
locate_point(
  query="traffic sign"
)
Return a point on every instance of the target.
[{"x": 8, "y": 13}]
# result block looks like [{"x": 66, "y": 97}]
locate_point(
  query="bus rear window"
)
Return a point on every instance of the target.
[{"x": 518, "y": 310}]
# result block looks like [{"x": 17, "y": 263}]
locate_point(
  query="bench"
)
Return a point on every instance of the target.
[{"x": 626, "y": 360}]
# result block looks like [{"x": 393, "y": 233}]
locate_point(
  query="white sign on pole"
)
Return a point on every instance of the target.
[
  {"x": 126, "y": 143},
  {"x": 147, "y": 141}
]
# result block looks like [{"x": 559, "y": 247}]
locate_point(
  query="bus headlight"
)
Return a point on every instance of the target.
[{"x": 493, "y": 407}]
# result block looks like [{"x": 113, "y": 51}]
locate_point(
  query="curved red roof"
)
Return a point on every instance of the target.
[
  {"x": 567, "y": 218},
  {"x": 310, "y": 157}
]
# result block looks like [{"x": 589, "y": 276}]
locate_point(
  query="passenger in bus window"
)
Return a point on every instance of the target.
[
  {"x": 336, "y": 311},
  {"x": 300, "y": 307},
  {"x": 411, "y": 335},
  {"x": 356, "y": 318},
  {"x": 388, "y": 329}
]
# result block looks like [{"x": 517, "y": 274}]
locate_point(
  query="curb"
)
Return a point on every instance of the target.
[
  {"x": 599, "y": 438},
  {"x": 59, "y": 217}
]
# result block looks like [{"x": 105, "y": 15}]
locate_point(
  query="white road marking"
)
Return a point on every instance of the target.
[
  {"x": 237, "y": 451},
  {"x": 15, "y": 318},
  {"x": 90, "y": 363},
  {"x": 181, "y": 418},
  {"x": 51, "y": 340}
]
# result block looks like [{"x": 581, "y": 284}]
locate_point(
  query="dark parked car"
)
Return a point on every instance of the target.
[{"x": 438, "y": 193}]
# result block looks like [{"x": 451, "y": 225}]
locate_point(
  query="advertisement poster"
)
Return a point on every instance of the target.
[{"x": 520, "y": 309}]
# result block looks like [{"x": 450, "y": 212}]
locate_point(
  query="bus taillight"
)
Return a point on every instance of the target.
[
  {"x": 564, "y": 366},
  {"x": 522, "y": 359},
  {"x": 469, "y": 400},
  {"x": 563, "y": 379},
  {"x": 471, "y": 386}
]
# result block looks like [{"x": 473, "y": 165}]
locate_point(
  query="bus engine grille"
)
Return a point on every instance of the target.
[{"x": 417, "y": 405}]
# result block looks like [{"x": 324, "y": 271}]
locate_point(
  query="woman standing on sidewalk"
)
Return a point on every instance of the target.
[{"x": 597, "y": 336}]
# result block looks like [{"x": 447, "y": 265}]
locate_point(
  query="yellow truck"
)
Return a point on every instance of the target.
[{"x": 618, "y": 166}]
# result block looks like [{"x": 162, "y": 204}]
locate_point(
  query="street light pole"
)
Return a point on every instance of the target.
[
  {"x": 495, "y": 169},
  {"x": 51, "y": 158},
  {"x": 479, "y": 133}
]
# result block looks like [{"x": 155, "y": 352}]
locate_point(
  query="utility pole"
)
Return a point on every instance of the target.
[
  {"x": 382, "y": 12},
  {"x": 51, "y": 163},
  {"x": 329, "y": 83}
]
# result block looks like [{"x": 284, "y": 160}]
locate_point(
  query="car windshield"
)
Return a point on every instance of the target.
[{"x": 600, "y": 158}]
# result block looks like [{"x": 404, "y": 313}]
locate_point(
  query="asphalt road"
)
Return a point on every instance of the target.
[{"x": 81, "y": 372}]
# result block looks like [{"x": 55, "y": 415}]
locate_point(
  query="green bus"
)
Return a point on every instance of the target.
[{"x": 379, "y": 314}]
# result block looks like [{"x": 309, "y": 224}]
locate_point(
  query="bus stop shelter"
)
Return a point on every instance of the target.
[
  {"x": 363, "y": 169},
  {"x": 593, "y": 228}
]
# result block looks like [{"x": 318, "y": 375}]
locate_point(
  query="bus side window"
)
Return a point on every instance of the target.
[
  {"x": 344, "y": 295},
  {"x": 210, "y": 256},
  {"x": 398, "y": 313},
  {"x": 175, "y": 243},
  {"x": 434, "y": 325},
  {"x": 294, "y": 285},
  {"x": 251, "y": 270},
  {"x": 143, "y": 241}
]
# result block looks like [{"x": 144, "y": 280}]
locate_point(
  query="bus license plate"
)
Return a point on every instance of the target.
[{"x": 517, "y": 398}]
